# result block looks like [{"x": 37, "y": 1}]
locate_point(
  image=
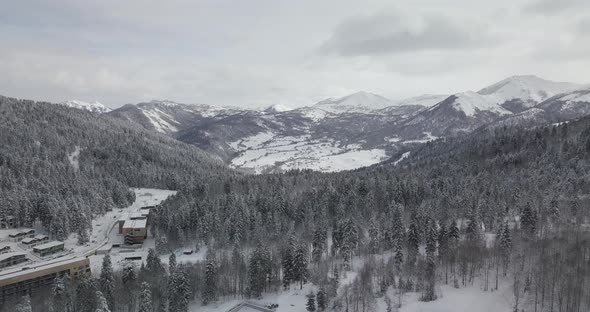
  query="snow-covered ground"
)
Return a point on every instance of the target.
[
  {"x": 105, "y": 231},
  {"x": 264, "y": 151},
  {"x": 74, "y": 158}
]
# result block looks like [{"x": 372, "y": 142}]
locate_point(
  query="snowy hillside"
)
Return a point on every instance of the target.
[
  {"x": 427, "y": 100},
  {"x": 277, "y": 108},
  {"x": 360, "y": 102},
  {"x": 95, "y": 107},
  {"x": 470, "y": 103},
  {"x": 529, "y": 89},
  {"x": 357, "y": 130}
]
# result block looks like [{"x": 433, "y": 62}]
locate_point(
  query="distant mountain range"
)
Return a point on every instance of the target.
[{"x": 357, "y": 130}]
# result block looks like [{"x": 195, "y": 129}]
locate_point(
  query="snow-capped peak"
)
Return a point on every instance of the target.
[
  {"x": 95, "y": 107},
  {"x": 358, "y": 102},
  {"x": 471, "y": 102},
  {"x": 427, "y": 100},
  {"x": 278, "y": 108},
  {"x": 528, "y": 88}
]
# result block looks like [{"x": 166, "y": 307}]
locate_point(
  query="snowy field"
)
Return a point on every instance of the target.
[{"x": 264, "y": 151}]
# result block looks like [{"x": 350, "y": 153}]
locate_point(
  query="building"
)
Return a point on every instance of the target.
[
  {"x": 134, "y": 231},
  {"x": 12, "y": 258},
  {"x": 4, "y": 249},
  {"x": 7, "y": 222},
  {"x": 247, "y": 306},
  {"x": 20, "y": 235},
  {"x": 34, "y": 241},
  {"x": 25, "y": 280},
  {"x": 48, "y": 248}
]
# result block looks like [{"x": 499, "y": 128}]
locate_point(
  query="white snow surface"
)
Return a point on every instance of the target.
[
  {"x": 529, "y": 88},
  {"x": 360, "y": 102},
  {"x": 73, "y": 158},
  {"x": 404, "y": 156},
  {"x": 264, "y": 151},
  {"x": 95, "y": 107},
  {"x": 470, "y": 103},
  {"x": 575, "y": 97},
  {"x": 427, "y": 100},
  {"x": 278, "y": 108},
  {"x": 159, "y": 120}
]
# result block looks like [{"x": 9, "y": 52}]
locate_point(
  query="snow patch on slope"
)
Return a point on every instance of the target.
[
  {"x": 427, "y": 100},
  {"x": 95, "y": 107},
  {"x": 73, "y": 158},
  {"x": 470, "y": 103},
  {"x": 263, "y": 152},
  {"x": 156, "y": 118},
  {"x": 360, "y": 102},
  {"x": 530, "y": 89}
]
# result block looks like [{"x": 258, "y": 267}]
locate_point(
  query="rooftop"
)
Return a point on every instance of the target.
[
  {"x": 11, "y": 254},
  {"x": 7, "y": 274},
  {"x": 49, "y": 245},
  {"x": 135, "y": 224}
]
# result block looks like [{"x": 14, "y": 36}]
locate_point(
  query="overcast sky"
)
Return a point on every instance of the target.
[{"x": 253, "y": 53}]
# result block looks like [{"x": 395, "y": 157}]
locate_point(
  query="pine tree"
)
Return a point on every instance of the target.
[
  {"x": 86, "y": 295},
  {"x": 322, "y": 300},
  {"x": 62, "y": 300},
  {"x": 528, "y": 219},
  {"x": 179, "y": 292},
  {"x": 319, "y": 244},
  {"x": 310, "y": 306},
  {"x": 24, "y": 305},
  {"x": 106, "y": 281},
  {"x": 413, "y": 243},
  {"x": 145, "y": 298},
  {"x": 258, "y": 271},
  {"x": 300, "y": 261},
  {"x": 153, "y": 262},
  {"x": 505, "y": 246},
  {"x": 430, "y": 293},
  {"x": 210, "y": 285},
  {"x": 172, "y": 263},
  {"x": 102, "y": 304}
]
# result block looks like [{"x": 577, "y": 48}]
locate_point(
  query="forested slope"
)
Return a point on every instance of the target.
[
  {"x": 61, "y": 165},
  {"x": 524, "y": 187}
]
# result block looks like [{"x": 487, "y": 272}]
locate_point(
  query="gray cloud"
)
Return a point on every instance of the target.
[
  {"x": 552, "y": 7},
  {"x": 392, "y": 33},
  {"x": 583, "y": 26},
  {"x": 262, "y": 52}
]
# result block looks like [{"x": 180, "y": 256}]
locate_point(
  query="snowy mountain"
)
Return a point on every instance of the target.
[
  {"x": 568, "y": 105},
  {"x": 167, "y": 116},
  {"x": 518, "y": 93},
  {"x": 95, "y": 107},
  {"x": 472, "y": 103},
  {"x": 277, "y": 108},
  {"x": 357, "y": 130},
  {"x": 427, "y": 100},
  {"x": 359, "y": 102}
]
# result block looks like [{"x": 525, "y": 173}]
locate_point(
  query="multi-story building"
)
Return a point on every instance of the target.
[
  {"x": 26, "y": 280},
  {"x": 48, "y": 248},
  {"x": 12, "y": 258}
]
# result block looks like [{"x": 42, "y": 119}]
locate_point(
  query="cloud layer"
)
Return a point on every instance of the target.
[{"x": 261, "y": 52}]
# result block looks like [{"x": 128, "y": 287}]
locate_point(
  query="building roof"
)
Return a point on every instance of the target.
[
  {"x": 29, "y": 240},
  {"x": 11, "y": 273},
  {"x": 135, "y": 224},
  {"x": 11, "y": 254},
  {"x": 247, "y": 306},
  {"x": 48, "y": 245},
  {"x": 38, "y": 237}
]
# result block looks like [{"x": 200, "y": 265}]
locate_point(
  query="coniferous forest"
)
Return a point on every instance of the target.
[{"x": 501, "y": 205}]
